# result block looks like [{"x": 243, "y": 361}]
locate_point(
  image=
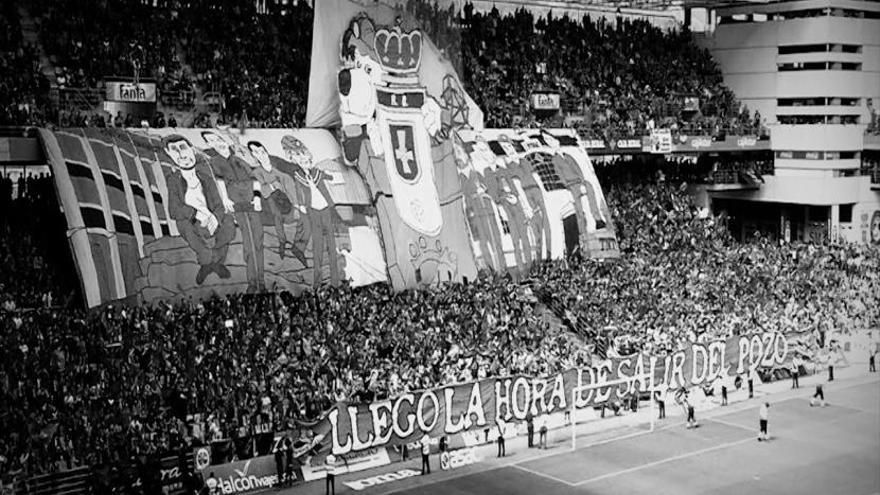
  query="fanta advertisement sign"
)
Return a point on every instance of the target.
[
  {"x": 545, "y": 101},
  {"x": 144, "y": 92}
]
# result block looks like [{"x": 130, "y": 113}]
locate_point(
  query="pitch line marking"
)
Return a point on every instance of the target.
[
  {"x": 728, "y": 423},
  {"x": 664, "y": 461},
  {"x": 543, "y": 475}
]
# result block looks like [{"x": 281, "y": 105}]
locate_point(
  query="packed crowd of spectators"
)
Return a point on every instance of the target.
[
  {"x": 37, "y": 267},
  {"x": 203, "y": 371},
  {"x": 88, "y": 40},
  {"x": 623, "y": 77},
  {"x": 98, "y": 388},
  {"x": 627, "y": 76},
  {"x": 259, "y": 63},
  {"x": 23, "y": 90}
]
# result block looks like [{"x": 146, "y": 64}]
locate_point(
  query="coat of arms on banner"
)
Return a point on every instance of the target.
[{"x": 400, "y": 138}]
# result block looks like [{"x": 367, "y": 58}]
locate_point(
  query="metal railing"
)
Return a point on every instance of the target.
[
  {"x": 212, "y": 101},
  {"x": 178, "y": 99},
  {"x": 72, "y": 482},
  {"x": 77, "y": 98}
]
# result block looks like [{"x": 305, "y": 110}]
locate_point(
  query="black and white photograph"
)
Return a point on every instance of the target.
[{"x": 439, "y": 247}]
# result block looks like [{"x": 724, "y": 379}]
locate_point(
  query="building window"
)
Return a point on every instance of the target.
[
  {"x": 817, "y": 119},
  {"x": 797, "y": 66},
  {"x": 795, "y": 49},
  {"x": 846, "y": 213},
  {"x": 817, "y": 155},
  {"x": 801, "y": 102}
]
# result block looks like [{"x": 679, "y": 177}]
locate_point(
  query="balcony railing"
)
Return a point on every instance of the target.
[
  {"x": 178, "y": 99},
  {"x": 77, "y": 98}
]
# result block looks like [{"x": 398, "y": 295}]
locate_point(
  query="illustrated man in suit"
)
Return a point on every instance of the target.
[
  {"x": 318, "y": 204},
  {"x": 241, "y": 196},
  {"x": 579, "y": 186},
  {"x": 525, "y": 169},
  {"x": 503, "y": 191},
  {"x": 195, "y": 205},
  {"x": 480, "y": 210},
  {"x": 279, "y": 192}
]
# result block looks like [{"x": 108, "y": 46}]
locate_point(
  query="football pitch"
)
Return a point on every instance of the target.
[{"x": 812, "y": 450}]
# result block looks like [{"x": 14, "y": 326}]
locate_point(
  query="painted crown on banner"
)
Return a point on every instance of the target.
[{"x": 398, "y": 52}]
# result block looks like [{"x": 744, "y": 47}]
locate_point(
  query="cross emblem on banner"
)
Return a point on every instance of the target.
[{"x": 404, "y": 154}]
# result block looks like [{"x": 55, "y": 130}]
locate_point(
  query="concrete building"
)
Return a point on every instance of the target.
[{"x": 812, "y": 70}]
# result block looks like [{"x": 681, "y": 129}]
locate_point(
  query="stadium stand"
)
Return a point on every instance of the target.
[
  {"x": 638, "y": 74},
  {"x": 23, "y": 91},
  {"x": 96, "y": 389},
  {"x": 185, "y": 376}
]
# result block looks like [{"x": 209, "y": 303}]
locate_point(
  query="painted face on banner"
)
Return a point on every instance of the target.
[
  {"x": 182, "y": 154},
  {"x": 550, "y": 140},
  {"x": 299, "y": 155},
  {"x": 483, "y": 156},
  {"x": 260, "y": 155},
  {"x": 217, "y": 143},
  {"x": 462, "y": 160}
]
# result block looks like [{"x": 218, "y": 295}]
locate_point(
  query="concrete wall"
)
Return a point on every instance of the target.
[{"x": 748, "y": 55}]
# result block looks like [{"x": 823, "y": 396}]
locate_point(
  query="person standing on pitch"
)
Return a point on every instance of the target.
[
  {"x": 543, "y": 432},
  {"x": 763, "y": 415},
  {"x": 501, "y": 429},
  {"x": 530, "y": 427},
  {"x": 330, "y": 469},
  {"x": 795, "y": 372},
  {"x": 288, "y": 465},
  {"x": 751, "y": 379},
  {"x": 691, "y": 413},
  {"x": 871, "y": 358},
  {"x": 723, "y": 395},
  {"x": 661, "y": 405},
  {"x": 818, "y": 397},
  {"x": 280, "y": 453},
  {"x": 426, "y": 453}
]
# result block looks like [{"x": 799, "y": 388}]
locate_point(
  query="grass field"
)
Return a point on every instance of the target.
[{"x": 813, "y": 450}]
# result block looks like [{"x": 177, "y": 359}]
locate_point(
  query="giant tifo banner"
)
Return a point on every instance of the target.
[
  {"x": 436, "y": 184},
  {"x": 339, "y": 23},
  {"x": 537, "y": 192},
  {"x": 454, "y": 409},
  {"x": 168, "y": 214},
  {"x": 161, "y": 214},
  {"x": 415, "y": 194}
]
